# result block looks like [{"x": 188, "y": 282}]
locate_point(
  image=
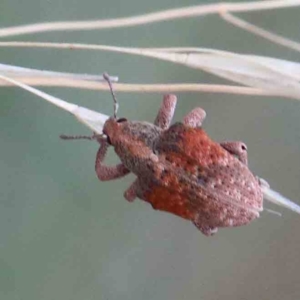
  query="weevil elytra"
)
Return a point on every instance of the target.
[{"x": 181, "y": 170}]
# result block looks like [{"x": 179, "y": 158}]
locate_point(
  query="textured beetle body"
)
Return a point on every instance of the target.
[
  {"x": 211, "y": 185},
  {"x": 181, "y": 170}
]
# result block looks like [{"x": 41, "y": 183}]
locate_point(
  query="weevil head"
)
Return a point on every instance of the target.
[
  {"x": 121, "y": 131},
  {"x": 113, "y": 129},
  {"x": 133, "y": 141}
]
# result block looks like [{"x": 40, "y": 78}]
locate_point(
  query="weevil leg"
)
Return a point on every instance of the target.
[
  {"x": 106, "y": 173},
  {"x": 166, "y": 112},
  {"x": 238, "y": 149},
  {"x": 205, "y": 229},
  {"x": 195, "y": 118},
  {"x": 131, "y": 193}
]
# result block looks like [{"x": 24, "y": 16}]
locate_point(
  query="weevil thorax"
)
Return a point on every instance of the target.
[{"x": 133, "y": 141}]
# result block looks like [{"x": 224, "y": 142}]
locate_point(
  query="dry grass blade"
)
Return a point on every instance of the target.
[
  {"x": 145, "y": 88},
  {"x": 279, "y": 199},
  {"x": 276, "y": 76},
  {"x": 160, "y": 16},
  {"x": 275, "y": 38},
  {"x": 17, "y": 72},
  {"x": 90, "y": 118},
  {"x": 43, "y": 79}
]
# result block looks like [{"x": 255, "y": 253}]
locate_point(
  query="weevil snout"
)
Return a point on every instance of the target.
[{"x": 112, "y": 128}]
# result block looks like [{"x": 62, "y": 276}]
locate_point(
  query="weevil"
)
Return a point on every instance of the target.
[{"x": 181, "y": 170}]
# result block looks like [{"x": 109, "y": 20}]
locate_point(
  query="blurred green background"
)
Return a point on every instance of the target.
[{"x": 65, "y": 235}]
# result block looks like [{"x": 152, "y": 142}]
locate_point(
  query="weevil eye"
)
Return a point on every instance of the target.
[
  {"x": 121, "y": 120},
  {"x": 108, "y": 140},
  {"x": 243, "y": 147}
]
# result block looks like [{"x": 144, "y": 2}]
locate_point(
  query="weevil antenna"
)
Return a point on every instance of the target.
[
  {"x": 95, "y": 136},
  {"x": 116, "y": 104}
]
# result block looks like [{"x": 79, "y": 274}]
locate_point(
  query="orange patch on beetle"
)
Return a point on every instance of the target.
[
  {"x": 170, "y": 197},
  {"x": 196, "y": 144},
  {"x": 195, "y": 152},
  {"x": 165, "y": 200}
]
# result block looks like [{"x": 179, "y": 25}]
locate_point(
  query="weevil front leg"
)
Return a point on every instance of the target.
[
  {"x": 106, "y": 173},
  {"x": 238, "y": 149},
  {"x": 195, "y": 118},
  {"x": 131, "y": 193},
  {"x": 166, "y": 112}
]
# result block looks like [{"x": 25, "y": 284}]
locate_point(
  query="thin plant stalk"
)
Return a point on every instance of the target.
[
  {"x": 16, "y": 71},
  {"x": 274, "y": 38},
  {"x": 145, "y": 88},
  {"x": 171, "y": 14},
  {"x": 265, "y": 73}
]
